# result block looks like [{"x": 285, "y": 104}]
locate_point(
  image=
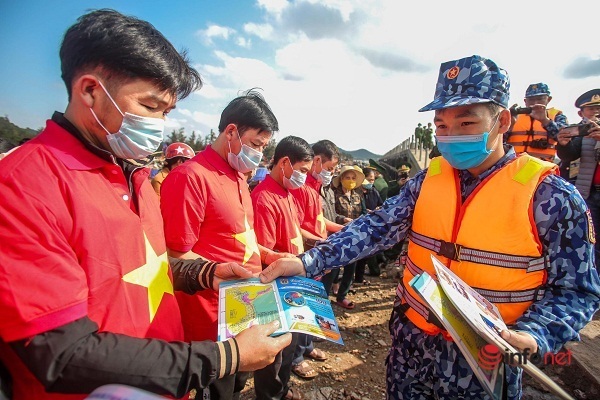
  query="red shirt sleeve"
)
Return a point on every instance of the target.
[
  {"x": 265, "y": 222},
  {"x": 42, "y": 285},
  {"x": 182, "y": 203}
]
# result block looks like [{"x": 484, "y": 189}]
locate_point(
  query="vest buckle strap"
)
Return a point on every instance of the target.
[
  {"x": 450, "y": 250},
  {"x": 539, "y": 144}
]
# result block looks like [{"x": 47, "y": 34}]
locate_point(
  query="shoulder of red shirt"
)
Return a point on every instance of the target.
[
  {"x": 312, "y": 182},
  {"x": 219, "y": 163}
]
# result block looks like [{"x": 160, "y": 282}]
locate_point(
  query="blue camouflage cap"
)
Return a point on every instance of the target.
[
  {"x": 537, "y": 89},
  {"x": 470, "y": 80}
]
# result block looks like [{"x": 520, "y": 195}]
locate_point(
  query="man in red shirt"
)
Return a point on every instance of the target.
[
  {"x": 86, "y": 284},
  {"x": 277, "y": 227},
  {"x": 207, "y": 212},
  {"x": 314, "y": 227}
]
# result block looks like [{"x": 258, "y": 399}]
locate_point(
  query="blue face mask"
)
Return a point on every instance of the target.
[
  {"x": 138, "y": 136},
  {"x": 465, "y": 151},
  {"x": 367, "y": 186}
]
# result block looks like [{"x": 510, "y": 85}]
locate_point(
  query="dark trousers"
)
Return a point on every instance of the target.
[
  {"x": 393, "y": 252},
  {"x": 304, "y": 346},
  {"x": 272, "y": 381},
  {"x": 329, "y": 279},
  {"x": 345, "y": 283},
  {"x": 372, "y": 262},
  {"x": 228, "y": 387},
  {"x": 359, "y": 273}
]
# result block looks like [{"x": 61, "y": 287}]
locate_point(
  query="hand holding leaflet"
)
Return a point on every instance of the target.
[{"x": 299, "y": 304}]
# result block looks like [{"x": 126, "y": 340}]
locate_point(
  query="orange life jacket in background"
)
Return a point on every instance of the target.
[
  {"x": 528, "y": 135},
  {"x": 490, "y": 241}
]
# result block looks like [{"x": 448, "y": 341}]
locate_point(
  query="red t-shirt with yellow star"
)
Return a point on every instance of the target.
[
  {"x": 310, "y": 205},
  {"x": 207, "y": 209},
  {"x": 76, "y": 245},
  {"x": 276, "y": 218}
]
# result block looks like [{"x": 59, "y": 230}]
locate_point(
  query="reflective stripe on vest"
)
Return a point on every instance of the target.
[
  {"x": 526, "y": 132},
  {"x": 472, "y": 238},
  {"x": 495, "y": 296},
  {"x": 457, "y": 252}
]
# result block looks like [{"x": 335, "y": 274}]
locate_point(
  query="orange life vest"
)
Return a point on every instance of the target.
[
  {"x": 528, "y": 135},
  {"x": 490, "y": 241}
]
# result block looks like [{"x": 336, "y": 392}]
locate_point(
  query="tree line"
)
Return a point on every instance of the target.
[{"x": 12, "y": 135}]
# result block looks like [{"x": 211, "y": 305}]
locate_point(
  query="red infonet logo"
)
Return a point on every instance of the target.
[{"x": 489, "y": 357}]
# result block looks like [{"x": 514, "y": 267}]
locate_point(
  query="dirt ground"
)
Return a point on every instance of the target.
[{"x": 356, "y": 370}]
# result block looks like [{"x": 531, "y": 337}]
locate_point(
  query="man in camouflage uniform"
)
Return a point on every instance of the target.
[
  {"x": 471, "y": 97},
  {"x": 535, "y": 132}
]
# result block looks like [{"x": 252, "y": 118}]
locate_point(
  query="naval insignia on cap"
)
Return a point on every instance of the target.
[
  {"x": 596, "y": 98},
  {"x": 453, "y": 72}
]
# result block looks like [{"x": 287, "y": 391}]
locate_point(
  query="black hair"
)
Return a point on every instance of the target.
[
  {"x": 326, "y": 149},
  {"x": 124, "y": 48},
  {"x": 249, "y": 111},
  {"x": 297, "y": 149},
  {"x": 494, "y": 108},
  {"x": 170, "y": 162},
  {"x": 367, "y": 171}
]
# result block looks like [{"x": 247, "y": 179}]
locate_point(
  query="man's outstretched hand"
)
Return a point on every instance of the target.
[{"x": 283, "y": 267}]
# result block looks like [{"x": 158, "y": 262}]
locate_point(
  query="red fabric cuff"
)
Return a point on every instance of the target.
[{"x": 25, "y": 329}]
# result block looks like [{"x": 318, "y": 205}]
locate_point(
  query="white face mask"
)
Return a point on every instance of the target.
[
  {"x": 247, "y": 159},
  {"x": 295, "y": 181},
  {"x": 324, "y": 176},
  {"x": 138, "y": 136}
]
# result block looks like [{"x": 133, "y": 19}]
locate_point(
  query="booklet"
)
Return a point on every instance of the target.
[
  {"x": 466, "y": 338},
  {"x": 479, "y": 318},
  {"x": 299, "y": 304}
]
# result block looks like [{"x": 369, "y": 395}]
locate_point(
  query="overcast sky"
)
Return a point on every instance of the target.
[{"x": 352, "y": 71}]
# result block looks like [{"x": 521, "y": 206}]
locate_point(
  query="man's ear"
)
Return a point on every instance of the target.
[
  {"x": 504, "y": 121},
  {"x": 231, "y": 132},
  {"x": 85, "y": 90}
]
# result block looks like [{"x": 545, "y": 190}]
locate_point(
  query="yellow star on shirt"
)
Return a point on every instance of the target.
[
  {"x": 321, "y": 221},
  {"x": 153, "y": 275},
  {"x": 248, "y": 239},
  {"x": 297, "y": 241}
]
